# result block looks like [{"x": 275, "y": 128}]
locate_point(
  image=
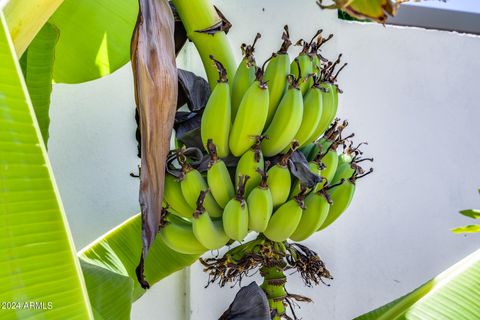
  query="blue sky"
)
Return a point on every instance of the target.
[{"x": 459, "y": 5}]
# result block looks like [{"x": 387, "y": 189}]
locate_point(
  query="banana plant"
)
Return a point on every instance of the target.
[
  {"x": 107, "y": 287},
  {"x": 40, "y": 264}
]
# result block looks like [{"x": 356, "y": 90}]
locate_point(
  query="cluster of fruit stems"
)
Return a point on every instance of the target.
[
  {"x": 272, "y": 259},
  {"x": 199, "y": 15}
]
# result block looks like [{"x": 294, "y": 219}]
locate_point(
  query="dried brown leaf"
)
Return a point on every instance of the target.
[{"x": 155, "y": 77}]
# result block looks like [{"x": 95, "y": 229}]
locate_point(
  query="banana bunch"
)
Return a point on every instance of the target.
[{"x": 254, "y": 132}]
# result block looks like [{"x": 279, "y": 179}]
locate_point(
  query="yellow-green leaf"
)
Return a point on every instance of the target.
[
  {"x": 453, "y": 294},
  {"x": 39, "y": 270}
]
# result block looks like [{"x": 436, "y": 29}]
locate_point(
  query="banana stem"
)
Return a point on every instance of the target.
[
  {"x": 274, "y": 287},
  {"x": 200, "y": 15}
]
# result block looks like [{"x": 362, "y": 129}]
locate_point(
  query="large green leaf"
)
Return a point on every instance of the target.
[
  {"x": 454, "y": 294},
  {"x": 38, "y": 263},
  {"x": 109, "y": 292},
  {"x": 94, "y": 38},
  {"x": 109, "y": 267},
  {"x": 37, "y": 65}
]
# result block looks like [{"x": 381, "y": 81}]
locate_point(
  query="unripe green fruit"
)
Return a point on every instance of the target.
[
  {"x": 284, "y": 221},
  {"x": 208, "y": 232},
  {"x": 285, "y": 123},
  {"x": 341, "y": 197},
  {"x": 192, "y": 184},
  {"x": 250, "y": 119},
  {"x": 220, "y": 183},
  {"x": 260, "y": 207},
  {"x": 216, "y": 119},
  {"x": 249, "y": 163},
  {"x": 306, "y": 68},
  {"x": 279, "y": 181},
  {"x": 235, "y": 219},
  {"x": 179, "y": 237},
  {"x": 173, "y": 196},
  {"x": 314, "y": 215},
  {"x": 276, "y": 76},
  {"x": 330, "y": 106}
]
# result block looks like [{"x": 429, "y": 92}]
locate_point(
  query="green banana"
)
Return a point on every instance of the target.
[
  {"x": 260, "y": 205},
  {"x": 307, "y": 149},
  {"x": 347, "y": 165},
  {"x": 330, "y": 162},
  {"x": 173, "y": 197},
  {"x": 344, "y": 171},
  {"x": 329, "y": 98},
  {"x": 330, "y": 106},
  {"x": 218, "y": 178},
  {"x": 303, "y": 65},
  {"x": 341, "y": 196},
  {"x": 317, "y": 205},
  {"x": 279, "y": 179},
  {"x": 235, "y": 215},
  {"x": 286, "y": 121},
  {"x": 178, "y": 236},
  {"x": 192, "y": 182},
  {"x": 249, "y": 163},
  {"x": 276, "y": 74},
  {"x": 251, "y": 116},
  {"x": 285, "y": 220},
  {"x": 332, "y": 134},
  {"x": 312, "y": 113},
  {"x": 208, "y": 232},
  {"x": 329, "y": 157},
  {"x": 216, "y": 118},
  {"x": 244, "y": 76}
]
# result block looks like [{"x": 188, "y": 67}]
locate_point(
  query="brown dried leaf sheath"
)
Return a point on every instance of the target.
[{"x": 155, "y": 79}]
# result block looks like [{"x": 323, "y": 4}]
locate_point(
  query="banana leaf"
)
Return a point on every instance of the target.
[
  {"x": 39, "y": 272},
  {"x": 94, "y": 38},
  {"x": 453, "y": 294},
  {"x": 109, "y": 267},
  {"x": 37, "y": 66}
]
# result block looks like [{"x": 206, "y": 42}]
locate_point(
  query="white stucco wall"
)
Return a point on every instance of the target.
[{"x": 411, "y": 93}]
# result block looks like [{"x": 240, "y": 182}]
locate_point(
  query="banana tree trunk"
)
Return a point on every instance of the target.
[{"x": 206, "y": 28}]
